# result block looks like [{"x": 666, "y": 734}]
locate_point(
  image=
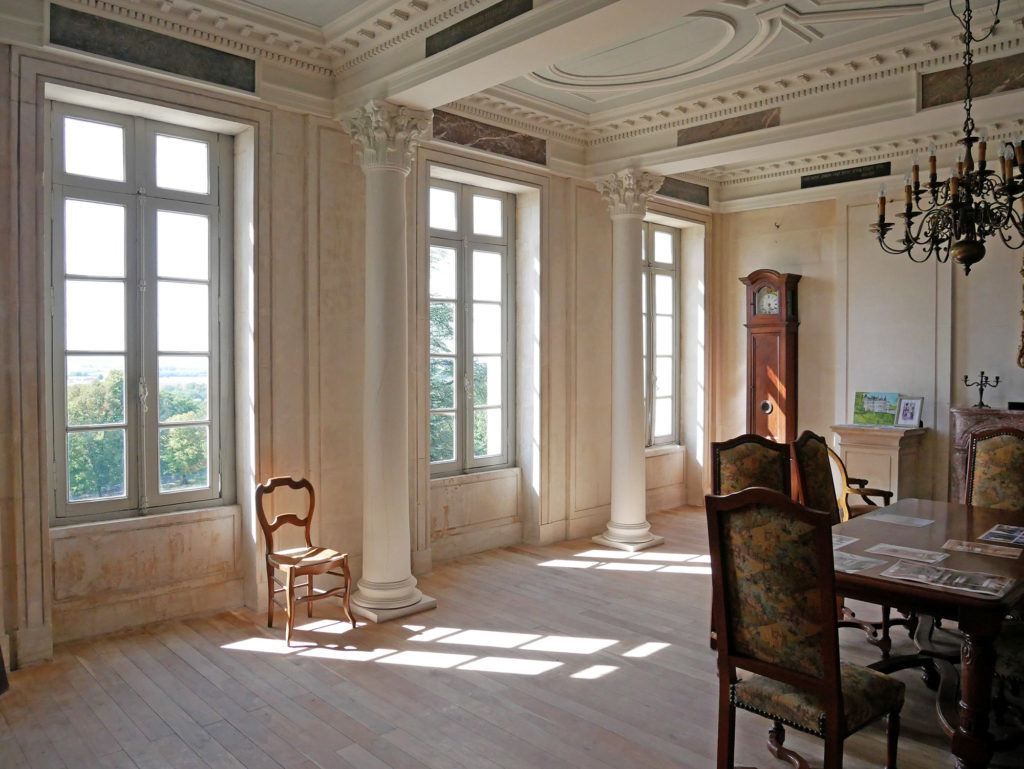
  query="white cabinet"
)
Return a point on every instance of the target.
[{"x": 887, "y": 457}]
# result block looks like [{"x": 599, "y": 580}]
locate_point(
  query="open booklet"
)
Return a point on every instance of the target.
[{"x": 972, "y": 581}]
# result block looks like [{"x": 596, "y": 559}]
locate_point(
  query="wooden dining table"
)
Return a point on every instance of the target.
[{"x": 979, "y": 616}]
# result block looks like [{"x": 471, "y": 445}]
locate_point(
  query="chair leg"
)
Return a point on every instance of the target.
[
  {"x": 309, "y": 595},
  {"x": 270, "y": 595},
  {"x": 348, "y": 591},
  {"x": 726, "y": 729},
  {"x": 833, "y": 751},
  {"x": 290, "y": 596},
  {"x": 776, "y": 739},
  {"x": 892, "y": 738}
]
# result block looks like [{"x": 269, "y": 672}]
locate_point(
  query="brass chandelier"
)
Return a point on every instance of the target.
[{"x": 954, "y": 217}]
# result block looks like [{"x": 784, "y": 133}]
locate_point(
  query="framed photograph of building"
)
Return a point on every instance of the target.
[{"x": 908, "y": 412}]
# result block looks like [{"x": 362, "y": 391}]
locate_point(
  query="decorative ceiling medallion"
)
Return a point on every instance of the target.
[{"x": 700, "y": 43}]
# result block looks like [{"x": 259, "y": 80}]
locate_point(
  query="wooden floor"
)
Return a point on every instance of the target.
[{"x": 546, "y": 657}]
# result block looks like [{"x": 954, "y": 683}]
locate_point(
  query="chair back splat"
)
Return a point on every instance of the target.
[
  {"x": 774, "y": 598},
  {"x": 995, "y": 469},
  {"x": 297, "y": 562},
  {"x": 749, "y": 460}
]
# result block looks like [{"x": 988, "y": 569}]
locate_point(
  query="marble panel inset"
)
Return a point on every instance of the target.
[
  {"x": 685, "y": 191},
  {"x": 481, "y": 136},
  {"x": 754, "y": 121},
  {"x": 115, "y": 40},
  {"x": 869, "y": 171},
  {"x": 996, "y": 76},
  {"x": 473, "y": 25}
]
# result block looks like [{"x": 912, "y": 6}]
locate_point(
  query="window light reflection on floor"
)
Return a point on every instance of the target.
[
  {"x": 510, "y": 665},
  {"x": 619, "y": 560},
  {"x": 595, "y": 671},
  {"x": 530, "y": 643}
]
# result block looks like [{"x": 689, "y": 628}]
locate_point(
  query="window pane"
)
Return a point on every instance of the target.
[
  {"x": 665, "y": 381},
  {"x": 487, "y": 386},
  {"x": 94, "y": 315},
  {"x": 443, "y": 283},
  {"x": 183, "y": 317},
  {"x": 94, "y": 149},
  {"x": 487, "y": 276},
  {"x": 184, "y": 458},
  {"x": 487, "y": 432},
  {"x": 663, "y": 251},
  {"x": 644, "y": 342},
  {"x": 663, "y": 341},
  {"x": 442, "y": 437},
  {"x": 184, "y": 388},
  {"x": 96, "y": 465},
  {"x": 93, "y": 238},
  {"x": 442, "y": 327},
  {"x": 487, "y": 216},
  {"x": 182, "y": 245},
  {"x": 486, "y": 328},
  {"x": 95, "y": 389},
  {"x": 663, "y": 294},
  {"x": 443, "y": 209},
  {"x": 643, "y": 294},
  {"x": 182, "y": 164},
  {"x": 662, "y": 417},
  {"x": 442, "y": 383}
]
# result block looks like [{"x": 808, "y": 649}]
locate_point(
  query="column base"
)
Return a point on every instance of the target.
[
  {"x": 653, "y": 541},
  {"x": 377, "y": 616}
]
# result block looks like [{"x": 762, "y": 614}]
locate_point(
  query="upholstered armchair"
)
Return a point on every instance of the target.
[{"x": 995, "y": 469}]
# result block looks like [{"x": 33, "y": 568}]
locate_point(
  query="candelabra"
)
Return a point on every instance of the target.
[{"x": 981, "y": 384}]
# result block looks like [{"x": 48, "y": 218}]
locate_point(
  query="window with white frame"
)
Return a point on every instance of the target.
[
  {"x": 472, "y": 327},
  {"x": 141, "y": 289},
  {"x": 661, "y": 256}
]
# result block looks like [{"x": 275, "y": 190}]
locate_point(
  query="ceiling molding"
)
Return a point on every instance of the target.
[
  {"x": 263, "y": 35},
  {"x": 386, "y": 31}
]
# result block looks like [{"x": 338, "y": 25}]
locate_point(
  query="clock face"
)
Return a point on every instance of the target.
[{"x": 767, "y": 301}]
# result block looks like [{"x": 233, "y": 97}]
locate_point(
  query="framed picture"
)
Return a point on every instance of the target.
[
  {"x": 908, "y": 412},
  {"x": 875, "y": 408}
]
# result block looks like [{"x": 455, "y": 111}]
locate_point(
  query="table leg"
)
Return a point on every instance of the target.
[{"x": 972, "y": 741}]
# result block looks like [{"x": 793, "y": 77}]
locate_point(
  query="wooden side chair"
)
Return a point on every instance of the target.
[
  {"x": 774, "y": 598},
  {"x": 818, "y": 492},
  {"x": 298, "y": 562},
  {"x": 995, "y": 469},
  {"x": 745, "y": 461}
]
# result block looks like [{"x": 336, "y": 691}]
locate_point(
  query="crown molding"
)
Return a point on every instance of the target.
[
  {"x": 360, "y": 36},
  {"x": 247, "y": 31}
]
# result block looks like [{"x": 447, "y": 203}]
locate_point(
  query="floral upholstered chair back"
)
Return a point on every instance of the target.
[
  {"x": 995, "y": 469},
  {"x": 814, "y": 470},
  {"x": 749, "y": 460},
  {"x": 773, "y": 574}
]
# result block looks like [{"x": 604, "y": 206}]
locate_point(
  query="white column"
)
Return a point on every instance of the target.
[
  {"x": 387, "y": 135},
  {"x": 626, "y": 193}
]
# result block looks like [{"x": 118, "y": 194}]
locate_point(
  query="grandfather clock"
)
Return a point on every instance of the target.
[{"x": 771, "y": 354}]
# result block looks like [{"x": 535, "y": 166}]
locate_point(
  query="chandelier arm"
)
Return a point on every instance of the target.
[{"x": 1020, "y": 348}]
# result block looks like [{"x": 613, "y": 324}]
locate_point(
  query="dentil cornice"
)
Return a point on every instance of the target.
[
  {"x": 226, "y": 26},
  {"x": 626, "y": 192},
  {"x": 387, "y": 134}
]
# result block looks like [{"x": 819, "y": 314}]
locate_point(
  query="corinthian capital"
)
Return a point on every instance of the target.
[
  {"x": 387, "y": 134},
  {"x": 626, "y": 192}
]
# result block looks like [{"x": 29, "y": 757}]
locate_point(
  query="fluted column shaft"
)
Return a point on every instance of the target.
[
  {"x": 627, "y": 193},
  {"x": 387, "y": 135}
]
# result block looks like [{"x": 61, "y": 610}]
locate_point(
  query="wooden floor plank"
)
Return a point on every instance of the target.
[{"x": 504, "y": 674}]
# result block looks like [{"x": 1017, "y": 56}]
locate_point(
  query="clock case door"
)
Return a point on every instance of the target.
[{"x": 772, "y": 358}]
